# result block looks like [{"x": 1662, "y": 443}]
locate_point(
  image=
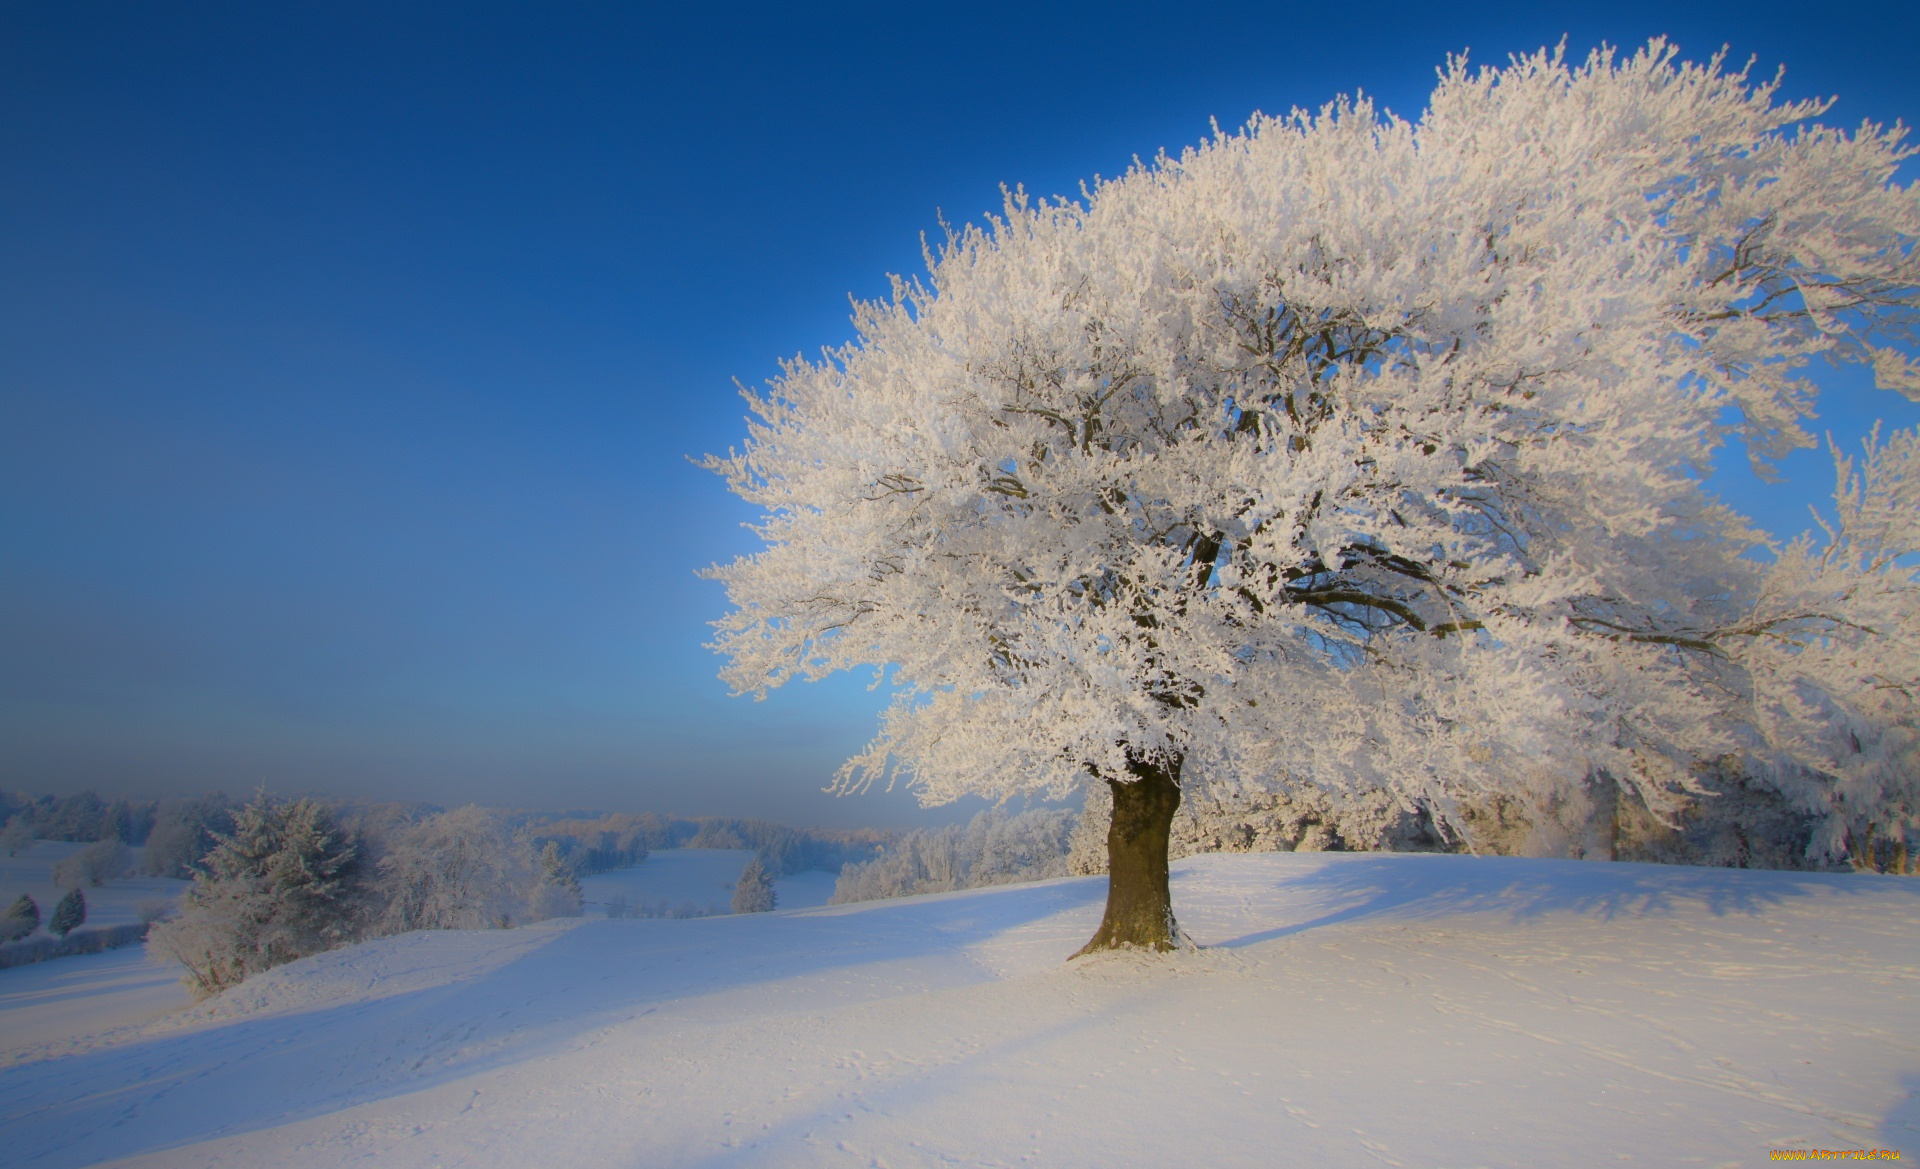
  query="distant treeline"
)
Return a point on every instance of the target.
[
  {"x": 996, "y": 847},
  {"x": 82, "y": 818},
  {"x": 179, "y": 831},
  {"x": 595, "y": 843}
]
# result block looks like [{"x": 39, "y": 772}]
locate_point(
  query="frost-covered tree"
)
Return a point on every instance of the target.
[
  {"x": 1363, "y": 452},
  {"x": 69, "y": 870},
  {"x": 96, "y": 864},
  {"x": 926, "y": 860},
  {"x": 185, "y": 830},
  {"x": 20, "y": 919},
  {"x": 1030, "y": 846},
  {"x": 70, "y": 914},
  {"x": 283, "y": 884},
  {"x": 461, "y": 869},
  {"x": 753, "y": 892}
]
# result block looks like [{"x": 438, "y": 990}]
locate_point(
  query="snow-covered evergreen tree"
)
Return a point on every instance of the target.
[
  {"x": 1367, "y": 453},
  {"x": 556, "y": 889},
  {"x": 21, "y": 919},
  {"x": 753, "y": 892},
  {"x": 282, "y": 885},
  {"x": 70, "y": 914}
]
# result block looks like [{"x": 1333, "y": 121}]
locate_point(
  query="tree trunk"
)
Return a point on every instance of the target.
[{"x": 1139, "y": 904}]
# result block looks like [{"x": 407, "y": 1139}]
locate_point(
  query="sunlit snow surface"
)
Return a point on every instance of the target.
[{"x": 1347, "y": 1010}]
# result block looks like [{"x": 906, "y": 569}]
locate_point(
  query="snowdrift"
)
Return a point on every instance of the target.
[{"x": 1344, "y": 1010}]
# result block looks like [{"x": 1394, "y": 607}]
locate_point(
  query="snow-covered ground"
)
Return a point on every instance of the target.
[
  {"x": 1347, "y": 1010},
  {"x": 114, "y": 903},
  {"x": 55, "y": 1005},
  {"x": 699, "y": 877}
]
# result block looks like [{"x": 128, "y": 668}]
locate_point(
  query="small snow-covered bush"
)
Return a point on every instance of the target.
[
  {"x": 993, "y": 849},
  {"x": 78, "y": 942},
  {"x": 68, "y": 872}
]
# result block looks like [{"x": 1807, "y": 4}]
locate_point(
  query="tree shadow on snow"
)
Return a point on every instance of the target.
[
  {"x": 1403, "y": 886},
  {"x": 266, "y": 1069},
  {"x": 1901, "y": 1128}
]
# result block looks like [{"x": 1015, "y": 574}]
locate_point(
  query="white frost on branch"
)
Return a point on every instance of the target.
[{"x": 1829, "y": 655}]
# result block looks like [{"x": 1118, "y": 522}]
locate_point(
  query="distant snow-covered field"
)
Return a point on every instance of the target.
[
  {"x": 1346, "y": 1010},
  {"x": 114, "y": 903},
  {"x": 698, "y": 877}
]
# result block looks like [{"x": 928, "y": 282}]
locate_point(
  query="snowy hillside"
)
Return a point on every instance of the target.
[{"x": 1348, "y": 1010}]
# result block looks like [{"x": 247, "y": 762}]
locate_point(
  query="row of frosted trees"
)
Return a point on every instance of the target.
[{"x": 291, "y": 880}]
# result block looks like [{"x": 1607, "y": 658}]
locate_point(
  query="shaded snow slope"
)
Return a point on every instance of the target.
[
  {"x": 1349, "y": 1010},
  {"x": 57, "y": 1006}
]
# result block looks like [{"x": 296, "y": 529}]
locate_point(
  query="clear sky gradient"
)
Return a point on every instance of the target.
[{"x": 351, "y": 355}]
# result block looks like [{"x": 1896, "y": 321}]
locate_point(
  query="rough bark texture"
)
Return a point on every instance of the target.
[{"x": 1139, "y": 904}]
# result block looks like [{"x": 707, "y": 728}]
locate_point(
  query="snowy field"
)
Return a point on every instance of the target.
[
  {"x": 114, "y": 903},
  {"x": 46, "y": 1006},
  {"x": 699, "y": 877},
  {"x": 1348, "y": 1010}
]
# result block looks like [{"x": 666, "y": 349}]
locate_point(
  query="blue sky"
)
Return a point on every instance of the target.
[{"x": 350, "y": 355}]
